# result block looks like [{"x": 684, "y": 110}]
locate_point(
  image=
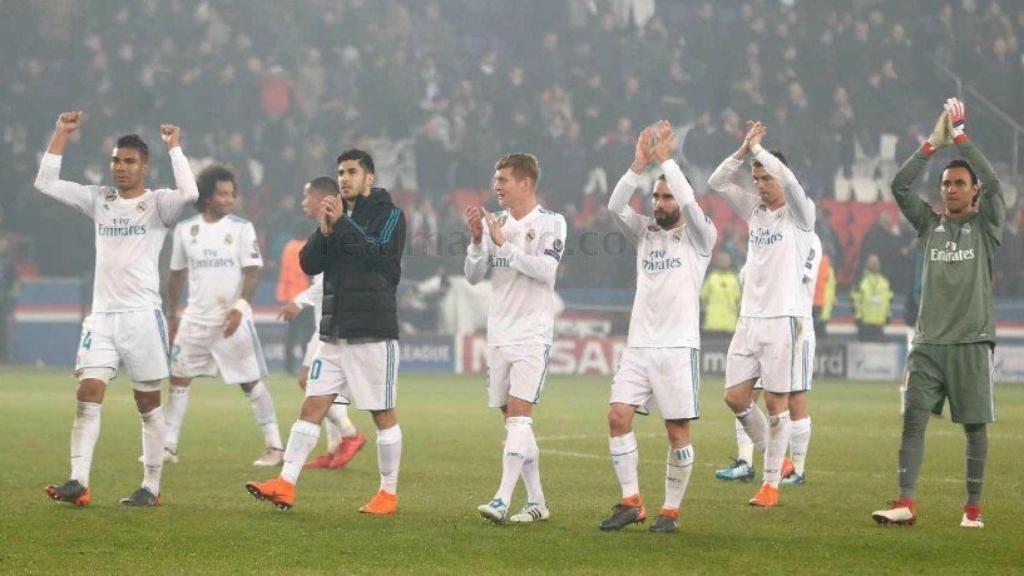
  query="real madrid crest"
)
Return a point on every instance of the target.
[
  {"x": 677, "y": 236},
  {"x": 110, "y": 196},
  {"x": 194, "y": 231},
  {"x": 140, "y": 207},
  {"x": 502, "y": 219},
  {"x": 531, "y": 234},
  {"x": 227, "y": 239},
  {"x": 653, "y": 228}
]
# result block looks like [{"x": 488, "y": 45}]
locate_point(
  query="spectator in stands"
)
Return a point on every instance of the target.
[
  {"x": 872, "y": 302},
  {"x": 824, "y": 294},
  {"x": 720, "y": 299},
  {"x": 8, "y": 286},
  {"x": 887, "y": 241}
]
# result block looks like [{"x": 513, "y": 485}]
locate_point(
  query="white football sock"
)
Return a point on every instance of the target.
[
  {"x": 677, "y": 475},
  {"x": 263, "y": 408},
  {"x": 778, "y": 441},
  {"x": 84, "y": 432},
  {"x": 333, "y": 429},
  {"x": 153, "y": 433},
  {"x": 301, "y": 441},
  {"x": 515, "y": 453},
  {"x": 744, "y": 445},
  {"x": 625, "y": 459},
  {"x": 799, "y": 440},
  {"x": 174, "y": 414},
  {"x": 531, "y": 473},
  {"x": 755, "y": 425},
  {"x": 389, "y": 457}
]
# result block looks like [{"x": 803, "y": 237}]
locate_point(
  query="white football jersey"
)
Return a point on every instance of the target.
[
  {"x": 670, "y": 266},
  {"x": 129, "y": 233},
  {"x": 523, "y": 270},
  {"x": 214, "y": 254},
  {"x": 313, "y": 296},
  {"x": 778, "y": 240}
]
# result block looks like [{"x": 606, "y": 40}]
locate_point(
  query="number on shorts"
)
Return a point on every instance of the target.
[
  {"x": 87, "y": 341},
  {"x": 314, "y": 370}
]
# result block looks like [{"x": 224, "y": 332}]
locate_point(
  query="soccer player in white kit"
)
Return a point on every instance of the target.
[
  {"x": 742, "y": 468},
  {"x": 770, "y": 337},
  {"x": 343, "y": 439},
  {"x": 219, "y": 254},
  {"x": 661, "y": 362},
  {"x": 522, "y": 247},
  {"x": 126, "y": 324}
]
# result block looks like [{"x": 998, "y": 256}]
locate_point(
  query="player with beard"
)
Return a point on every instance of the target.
[{"x": 660, "y": 364}]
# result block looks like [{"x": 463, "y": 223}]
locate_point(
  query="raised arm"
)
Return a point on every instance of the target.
[
  {"x": 799, "y": 205},
  {"x": 475, "y": 266},
  {"x": 48, "y": 178},
  {"x": 171, "y": 202},
  {"x": 698, "y": 227},
  {"x": 991, "y": 202},
  {"x": 723, "y": 179},
  {"x": 618, "y": 203},
  {"x": 914, "y": 208}
]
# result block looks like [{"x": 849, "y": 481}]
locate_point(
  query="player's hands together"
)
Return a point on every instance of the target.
[
  {"x": 474, "y": 219},
  {"x": 642, "y": 155},
  {"x": 957, "y": 115},
  {"x": 666, "y": 141},
  {"x": 332, "y": 211},
  {"x": 289, "y": 311},
  {"x": 68, "y": 122},
  {"x": 497, "y": 234},
  {"x": 753, "y": 128},
  {"x": 171, "y": 135},
  {"x": 231, "y": 324},
  {"x": 942, "y": 132}
]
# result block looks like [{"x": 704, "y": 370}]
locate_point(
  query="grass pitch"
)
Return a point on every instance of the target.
[{"x": 209, "y": 524}]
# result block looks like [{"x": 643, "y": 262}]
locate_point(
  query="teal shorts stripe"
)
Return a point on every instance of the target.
[
  {"x": 257, "y": 348},
  {"x": 162, "y": 328},
  {"x": 544, "y": 374}
]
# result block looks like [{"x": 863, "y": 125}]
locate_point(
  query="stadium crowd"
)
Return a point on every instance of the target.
[{"x": 438, "y": 90}]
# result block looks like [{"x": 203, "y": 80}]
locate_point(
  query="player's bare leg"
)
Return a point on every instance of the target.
[{"x": 84, "y": 432}]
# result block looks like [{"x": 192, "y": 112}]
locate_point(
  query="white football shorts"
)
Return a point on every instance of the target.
[
  {"x": 518, "y": 371},
  {"x": 363, "y": 373},
  {"x": 668, "y": 378},
  {"x": 135, "y": 338},
  {"x": 779, "y": 351},
  {"x": 203, "y": 350}
]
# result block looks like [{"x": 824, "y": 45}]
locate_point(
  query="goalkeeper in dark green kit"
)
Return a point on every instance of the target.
[{"x": 955, "y": 338}]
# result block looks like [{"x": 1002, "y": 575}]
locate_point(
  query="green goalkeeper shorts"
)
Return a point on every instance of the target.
[{"x": 961, "y": 372}]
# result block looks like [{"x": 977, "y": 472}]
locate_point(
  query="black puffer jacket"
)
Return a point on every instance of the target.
[{"x": 362, "y": 263}]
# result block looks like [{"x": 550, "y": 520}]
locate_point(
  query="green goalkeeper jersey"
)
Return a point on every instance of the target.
[{"x": 956, "y": 292}]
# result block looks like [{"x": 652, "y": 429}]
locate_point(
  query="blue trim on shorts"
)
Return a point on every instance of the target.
[
  {"x": 806, "y": 364},
  {"x": 792, "y": 352},
  {"x": 162, "y": 328},
  {"x": 257, "y": 347},
  {"x": 389, "y": 376}
]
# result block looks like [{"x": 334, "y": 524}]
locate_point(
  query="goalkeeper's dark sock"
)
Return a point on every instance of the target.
[
  {"x": 915, "y": 421},
  {"x": 977, "y": 451}
]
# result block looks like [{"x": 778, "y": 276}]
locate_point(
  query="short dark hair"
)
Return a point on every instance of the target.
[
  {"x": 364, "y": 159},
  {"x": 522, "y": 165},
  {"x": 960, "y": 163},
  {"x": 207, "y": 180},
  {"x": 325, "y": 185},
  {"x": 134, "y": 142},
  {"x": 775, "y": 153}
]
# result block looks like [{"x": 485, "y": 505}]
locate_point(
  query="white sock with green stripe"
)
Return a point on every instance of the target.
[
  {"x": 84, "y": 433},
  {"x": 303, "y": 438},
  {"x": 677, "y": 475},
  {"x": 153, "y": 433},
  {"x": 755, "y": 425},
  {"x": 263, "y": 407},
  {"x": 531, "y": 473},
  {"x": 744, "y": 445},
  {"x": 518, "y": 440},
  {"x": 799, "y": 440},
  {"x": 778, "y": 440}
]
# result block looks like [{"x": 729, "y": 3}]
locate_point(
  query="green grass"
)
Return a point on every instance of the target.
[{"x": 208, "y": 523}]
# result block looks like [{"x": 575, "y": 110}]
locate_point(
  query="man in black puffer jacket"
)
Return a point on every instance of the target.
[{"x": 358, "y": 247}]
